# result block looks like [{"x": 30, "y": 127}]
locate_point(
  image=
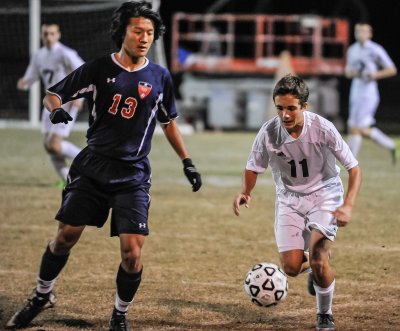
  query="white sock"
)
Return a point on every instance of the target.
[
  {"x": 354, "y": 141},
  {"x": 60, "y": 165},
  {"x": 382, "y": 139},
  {"x": 69, "y": 150},
  {"x": 44, "y": 286},
  {"x": 121, "y": 305},
  {"x": 324, "y": 298}
]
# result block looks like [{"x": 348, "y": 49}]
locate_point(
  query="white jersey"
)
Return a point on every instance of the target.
[
  {"x": 303, "y": 165},
  {"x": 366, "y": 59},
  {"x": 52, "y": 65}
]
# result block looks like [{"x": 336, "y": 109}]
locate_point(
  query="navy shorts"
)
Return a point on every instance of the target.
[{"x": 86, "y": 201}]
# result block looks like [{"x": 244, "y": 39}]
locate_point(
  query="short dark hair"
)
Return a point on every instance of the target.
[
  {"x": 293, "y": 85},
  {"x": 121, "y": 16}
]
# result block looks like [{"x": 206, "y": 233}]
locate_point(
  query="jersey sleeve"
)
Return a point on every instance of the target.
[
  {"x": 351, "y": 61},
  {"x": 258, "y": 159},
  {"x": 340, "y": 149},
  {"x": 384, "y": 59},
  {"x": 167, "y": 111},
  {"x": 72, "y": 59},
  {"x": 78, "y": 84},
  {"x": 32, "y": 72}
]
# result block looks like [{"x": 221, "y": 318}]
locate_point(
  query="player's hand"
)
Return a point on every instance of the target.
[
  {"x": 59, "y": 115},
  {"x": 342, "y": 215},
  {"x": 241, "y": 199},
  {"x": 192, "y": 174}
]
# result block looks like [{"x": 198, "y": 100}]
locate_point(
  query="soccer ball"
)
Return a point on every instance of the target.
[{"x": 266, "y": 284}]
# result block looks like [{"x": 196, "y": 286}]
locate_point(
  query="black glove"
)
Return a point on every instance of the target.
[
  {"x": 192, "y": 174},
  {"x": 59, "y": 115}
]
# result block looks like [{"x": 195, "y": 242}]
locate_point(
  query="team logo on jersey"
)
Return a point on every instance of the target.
[{"x": 144, "y": 89}]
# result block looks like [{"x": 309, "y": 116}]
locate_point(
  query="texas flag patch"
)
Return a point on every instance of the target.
[{"x": 144, "y": 89}]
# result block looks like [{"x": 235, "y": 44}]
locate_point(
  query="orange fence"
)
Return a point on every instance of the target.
[{"x": 243, "y": 44}]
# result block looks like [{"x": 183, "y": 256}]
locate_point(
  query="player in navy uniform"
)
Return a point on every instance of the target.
[{"x": 127, "y": 94}]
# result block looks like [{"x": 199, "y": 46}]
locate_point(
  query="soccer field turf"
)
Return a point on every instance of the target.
[{"x": 198, "y": 251}]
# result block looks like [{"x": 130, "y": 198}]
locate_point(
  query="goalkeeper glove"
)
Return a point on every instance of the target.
[
  {"x": 59, "y": 115},
  {"x": 192, "y": 174}
]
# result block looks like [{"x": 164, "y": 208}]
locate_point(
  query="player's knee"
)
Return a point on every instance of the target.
[
  {"x": 51, "y": 148},
  {"x": 131, "y": 260},
  {"x": 291, "y": 270},
  {"x": 318, "y": 266},
  {"x": 64, "y": 242},
  {"x": 61, "y": 247},
  {"x": 52, "y": 145}
]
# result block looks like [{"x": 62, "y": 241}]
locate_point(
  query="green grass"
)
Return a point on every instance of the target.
[{"x": 198, "y": 252}]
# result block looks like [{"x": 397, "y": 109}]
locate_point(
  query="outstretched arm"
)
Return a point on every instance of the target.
[
  {"x": 174, "y": 137},
  {"x": 343, "y": 213},
  {"x": 249, "y": 182}
]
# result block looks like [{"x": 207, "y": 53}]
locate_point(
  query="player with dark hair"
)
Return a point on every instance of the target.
[
  {"x": 51, "y": 63},
  {"x": 366, "y": 63},
  {"x": 302, "y": 147},
  {"x": 126, "y": 93}
]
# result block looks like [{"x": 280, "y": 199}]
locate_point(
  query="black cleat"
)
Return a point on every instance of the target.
[
  {"x": 325, "y": 322},
  {"x": 118, "y": 323},
  {"x": 34, "y": 307},
  {"x": 310, "y": 285}
]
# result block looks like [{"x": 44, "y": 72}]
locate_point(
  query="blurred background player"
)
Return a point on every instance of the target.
[
  {"x": 366, "y": 63},
  {"x": 301, "y": 148},
  {"x": 127, "y": 94},
  {"x": 51, "y": 63}
]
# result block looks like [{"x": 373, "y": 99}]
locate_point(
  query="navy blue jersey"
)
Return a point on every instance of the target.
[{"x": 123, "y": 105}]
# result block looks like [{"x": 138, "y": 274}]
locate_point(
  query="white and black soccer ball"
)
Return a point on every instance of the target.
[{"x": 266, "y": 284}]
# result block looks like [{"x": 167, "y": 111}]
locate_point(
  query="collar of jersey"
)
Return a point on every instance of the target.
[
  {"x": 289, "y": 137},
  {"x": 126, "y": 69}
]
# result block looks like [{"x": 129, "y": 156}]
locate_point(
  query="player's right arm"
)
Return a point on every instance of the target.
[
  {"x": 31, "y": 75},
  {"x": 249, "y": 182},
  {"x": 350, "y": 71}
]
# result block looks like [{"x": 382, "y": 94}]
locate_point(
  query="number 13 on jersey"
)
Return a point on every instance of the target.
[{"x": 126, "y": 112}]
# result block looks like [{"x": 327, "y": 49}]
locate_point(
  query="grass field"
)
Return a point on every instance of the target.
[{"x": 198, "y": 252}]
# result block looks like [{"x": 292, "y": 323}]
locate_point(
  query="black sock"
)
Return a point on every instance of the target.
[
  {"x": 127, "y": 284},
  {"x": 51, "y": 265}
]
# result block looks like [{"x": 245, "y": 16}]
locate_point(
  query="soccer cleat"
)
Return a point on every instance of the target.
[
  {"x": 325, "y": 322},
  {"x": 310, "y": 285},
  {"x": 61, "y": 184},
  {"x": 118, "y": 323},
  {"x": 34, "y": 307},
  {"x": 393, "y": 155}
]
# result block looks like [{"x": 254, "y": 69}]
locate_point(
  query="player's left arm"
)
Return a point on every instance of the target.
[
  {"x": 384, "y": 73},
  {"x": 174, "y": 137},
  {"x": 343, "y": 213},
  {"x": 386, "y": 64}
]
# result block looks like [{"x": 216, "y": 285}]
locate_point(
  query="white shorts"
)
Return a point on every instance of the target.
[
  {"x": 362, "y": 111},
  {"x": 60, "y": 129},
  {"x": 296, "y": 215}
]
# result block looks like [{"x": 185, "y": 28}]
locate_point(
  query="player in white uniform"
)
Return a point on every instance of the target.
[
  {"x": 51, "y": 63},
  {"x": 302, "y": 147},
  {"x": 366, "y": 63}
]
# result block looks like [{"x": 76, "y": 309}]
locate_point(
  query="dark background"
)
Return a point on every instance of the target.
[
  {"x": 383, "y": 15},
  {"x": 88, "y": 33}
]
